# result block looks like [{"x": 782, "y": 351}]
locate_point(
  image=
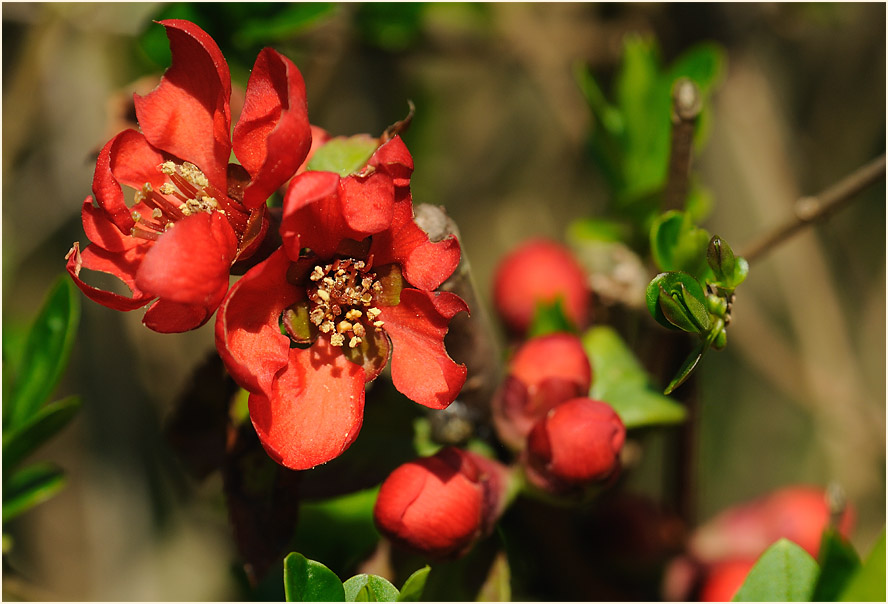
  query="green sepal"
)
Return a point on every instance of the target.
[
  {"x": 413, "y": 587},
  {"x": 549, "y": 317},
  {"x": 369, "y": 588},
  {"x": 868, "y": 583},
  {"x": 309, "y": 581},
  {"x": 784, "y": 573},
  {"x": 47, "y": 349},
  {"x": 720, "y": 257},
  {"x": 344, "y": 155},
  {"x": 21, "y": 441},
  {"x": 30, "y": 486}
]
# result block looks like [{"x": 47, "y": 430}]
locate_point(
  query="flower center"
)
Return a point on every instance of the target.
[
  {"x": 186, "y": 192},
  {"x": 342, "y": 301}
]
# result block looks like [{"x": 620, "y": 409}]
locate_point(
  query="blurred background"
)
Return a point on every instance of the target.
[{"x": 500, "y": 140}]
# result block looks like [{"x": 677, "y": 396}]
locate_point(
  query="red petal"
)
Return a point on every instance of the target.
[
  {"x": 101, "y": 231},
  {"x": 368, "y": 202},
  {"x": 425, "y": 264},
  {"x": 312, "y": 215},
  {"x": 126, "y": 159},
  {"x": 394, "y": 159},
  {"x": 172, "y": 317},
  {"x": 421, "y": 369},
  {"x": 316, "y": 408},
  {"x": 121, "y": 265},
  {"x": 189, "y": 263},
  {"x": 248, "y": 336},
  {"x": 188, "y": 114},
  {"x": 272, "y": 136}
]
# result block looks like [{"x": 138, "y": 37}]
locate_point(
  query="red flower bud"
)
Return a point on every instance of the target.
[
  {"x": 539, "y": 271},
  {"x": 544, "y": 372},
  {"x": 439, "y": 506},
  {"x": 797, "y": 513},
  {"x": 578, "y": 443}
]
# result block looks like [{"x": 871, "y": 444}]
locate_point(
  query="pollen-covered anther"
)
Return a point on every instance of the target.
[
  {"x": 326, "y": 327},
  {"x": 344, "y": 326},
  {"x": 337, "y": 339},
  {"x": 373, "y": 312},
  {"x": 353, "y": 343},
  {"x": 317, "y": 274},
  {"x": 353, "y": 315}
]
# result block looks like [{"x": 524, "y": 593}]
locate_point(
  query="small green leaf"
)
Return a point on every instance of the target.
[
  {"x": 687, "y": 368},
  {"x": 671, "y": 283},
  {"x": 549, "y": 317},
  {"x": 619, "y": 379},
  {"x": 369, "y": 588},
  {"x": 677, "y": 244},
  {"x": 497, "y": 586},
  {"x": 697, "y": 308},
  {"x": 20, "y": 442},
  {"x": 868, "y": 583},
  {"x": 413, "y": 587},
  {"x": 596, "y": 229},
  {"x": 46, "y": 353},
  {"x": 720, "y": 257},
  {"x": 741, "y": 269},
  {"x": 676, "y": 313},
  {"x": 784, "y": 573},
  {"x": 309, "y": 581},
  {"x": 30, "y": 486},
  {"x": 344, "y": 155},
  {"x": 838, "y": 563}
]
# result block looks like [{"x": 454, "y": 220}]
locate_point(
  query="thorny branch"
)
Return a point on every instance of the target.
[{"x": 809, "y": 210}]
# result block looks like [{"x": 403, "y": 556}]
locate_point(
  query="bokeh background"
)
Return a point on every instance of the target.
[{"x": 499, "y": 139}]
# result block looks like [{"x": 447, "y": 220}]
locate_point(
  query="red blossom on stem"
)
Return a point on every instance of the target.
[
  {"x": 544, "y": 371},
  {"x": 575, "y": 445},
  {"x": 539, "y": 271},
  {"x": 194, "y": 213},
  {"x": 351, "y": 285},
  {"x": 439, "y": 506}
]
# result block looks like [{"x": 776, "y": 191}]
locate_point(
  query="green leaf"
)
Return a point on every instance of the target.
[
  {"x": 549, "y": 317},
  {"x": 703, "y": 63},
  {"x": 868, "y": 584},
  {"x": 676, "y": 312},
  {"x": 29, "y": 487},
  {"x": 721, "y": 260},
  {"x": 497, "y": 587},
  {"x": 671, "y": 283},
  {"x": 369, "y": 588},
  {"x": 784, "y": 573},
  {"x": 413, "y": 587},
  {"x": 838, "y": 563},
  {"x": 596, "y": 229},
  {"x": 677, "y": 244},
  {"x": 344, "y": 155},
  {"x": 619, "y": 379},
  {"x": 292, "y": 20},
  {"x": 20, "y": 442},
  {"x": 46, "y": 353},
  {"x": 687, "y": 368},
  {"x": 309, "y": 581}
]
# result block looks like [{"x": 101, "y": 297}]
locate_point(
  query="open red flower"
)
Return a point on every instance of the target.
[
  {"x": 304, "y": 330},
  {"x": 194, "y": 214}
]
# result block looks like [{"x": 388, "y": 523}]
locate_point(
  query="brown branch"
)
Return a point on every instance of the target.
[
  {"x": 686, "y": 106},
  {"x": 809, "y": 210}
]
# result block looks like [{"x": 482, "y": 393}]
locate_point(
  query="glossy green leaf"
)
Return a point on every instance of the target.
[
  {"x": 413, "y": 587},
  {"x": 28, "y": 487},
  {"x": 671, "y": 283},
  {"x": 46, "y": 353},
  {"x": 838, "y": 563},
  {"x": 716, "y": 334},
  {"x": 309, "y": 581},
  {"x": 344, "y": 155},
  {"x": 868, "y": 583},
  {"x": 21, "y": 441},
  {"x": 369, "y": 588},
  {"x": 677, "y": 244},
  {"x": 676, "y": 312},
  {"x": 784, "y": 573},
  {"x": 549, "y": 317},
  {"x": 619, "y": 379}
]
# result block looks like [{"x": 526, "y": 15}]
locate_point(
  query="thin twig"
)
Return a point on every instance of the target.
[
  {"x": 809, "y": 210},
  {"x": 686, "y": 106}
]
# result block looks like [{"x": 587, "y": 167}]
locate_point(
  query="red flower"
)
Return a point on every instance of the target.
[
  {"x": 545, "y": 371},
  {"x": 305, "y": 329},
  {"x": 539, "y": 271},
  {"x": 577, "y": 444},
  {"x": 441, "y": 505},
  {"x": 194, "y": 213}
]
